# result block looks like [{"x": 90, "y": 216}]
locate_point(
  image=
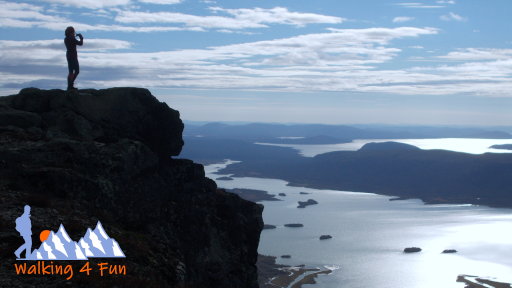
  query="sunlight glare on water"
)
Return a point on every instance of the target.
[
  {"x": 370, "y": 232},
  {"x": 465, "y": 145}
]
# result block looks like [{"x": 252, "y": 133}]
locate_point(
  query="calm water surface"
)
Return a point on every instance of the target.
[{"x": 369, "y": 233}]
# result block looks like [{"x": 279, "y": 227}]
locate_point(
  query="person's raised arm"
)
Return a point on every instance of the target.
[{"x": 81, "y": 42}]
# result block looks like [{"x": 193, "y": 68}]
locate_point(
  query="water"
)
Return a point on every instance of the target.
[
  {"x": 465, "y": 145},
  {"x": 370, "y": 233}
]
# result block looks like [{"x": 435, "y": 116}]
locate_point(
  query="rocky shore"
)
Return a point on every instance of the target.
[{"x": 272, "y": 275}]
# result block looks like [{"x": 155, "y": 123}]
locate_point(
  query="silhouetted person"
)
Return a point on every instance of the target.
[
  {"x": 24, "y": 226},
  {"x": 72, "y": 55}
]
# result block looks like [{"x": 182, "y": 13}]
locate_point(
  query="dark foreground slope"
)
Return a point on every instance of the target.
[{"x": 105, "y": 155}]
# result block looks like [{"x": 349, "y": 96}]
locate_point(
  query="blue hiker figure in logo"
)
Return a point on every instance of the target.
[{"x": 24, "y": 226}]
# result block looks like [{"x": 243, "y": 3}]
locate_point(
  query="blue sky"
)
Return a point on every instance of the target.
[{"x": 440, "y": 62}]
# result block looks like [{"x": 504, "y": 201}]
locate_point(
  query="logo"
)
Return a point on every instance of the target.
[{"x": 58, "y": 245}]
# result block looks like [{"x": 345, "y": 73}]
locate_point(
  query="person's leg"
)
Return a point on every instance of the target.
[
  {"x": 77, "y": 70},
  {"x": 70, "y": 74},
  {"x": 19, "y": 250},
  {"x": 28, "y": 246}
]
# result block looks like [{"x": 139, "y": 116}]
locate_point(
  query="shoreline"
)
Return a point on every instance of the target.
[
  {"x": 273, "y": 275},
  {"x": 479, "y": 282}
]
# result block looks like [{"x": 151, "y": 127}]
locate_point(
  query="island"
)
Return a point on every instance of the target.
[
  {"x": 412, "y": 250},
  {"x": 502, "y": 146},
  {"x": 294, "y": 225},
  {"x": 325, "y": 237},
  {"x": 304, "y": 204}
]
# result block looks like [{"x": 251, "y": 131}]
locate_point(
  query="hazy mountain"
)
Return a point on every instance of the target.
[{"x": 328, "y": 134}]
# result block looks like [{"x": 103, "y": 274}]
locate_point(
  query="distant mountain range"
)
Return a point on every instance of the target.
[
  {"x": 330, "y": 134},
  {"x": 435, "y": 176},
  {"x": 95, "y": 244}
]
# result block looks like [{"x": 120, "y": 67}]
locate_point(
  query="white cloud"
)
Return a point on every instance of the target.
[
  {"x": 402, "y": 19},
  {"x": 20, "y": 15},
  {"x": 91, "y": 4},
  {"x": 241, "y": 18},
  {"x": 14, "y": 11},
  {"x": 337, "y": 61},
  {"x": 162, "y": 2},
  {"x": 186, "y": 19},
  {"x": 445, "y": 1},
  {"x": 341, "y": 60},
  {"x": 98, "y": 45},
  {"x": 453, "y": 17},
  {"x": 419, "y": 5},
  {"x": 478, "y": 54},
  {"x": 279, "y": 15}
]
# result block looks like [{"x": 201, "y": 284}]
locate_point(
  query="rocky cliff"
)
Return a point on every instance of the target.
[{"x": 105, "y": 155}]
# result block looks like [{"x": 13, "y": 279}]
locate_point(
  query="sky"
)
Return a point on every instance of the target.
[{"x": 431, "y": 62}]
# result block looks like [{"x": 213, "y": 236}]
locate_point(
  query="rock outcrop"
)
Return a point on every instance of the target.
[{"x": 92, "y": 155}]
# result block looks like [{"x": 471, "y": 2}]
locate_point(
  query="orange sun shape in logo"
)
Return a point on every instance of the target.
[{"x": 44, "y": 235}]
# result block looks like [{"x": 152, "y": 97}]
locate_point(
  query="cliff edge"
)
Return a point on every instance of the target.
[{"x": 105, "y": 155}]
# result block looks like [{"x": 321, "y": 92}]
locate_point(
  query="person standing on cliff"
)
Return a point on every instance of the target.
[
  {"x": 24, "y": 226},
  {"x": 72, "y": 55}
]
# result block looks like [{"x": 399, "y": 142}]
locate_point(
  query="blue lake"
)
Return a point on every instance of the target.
[{"x": 370, "y": 232}]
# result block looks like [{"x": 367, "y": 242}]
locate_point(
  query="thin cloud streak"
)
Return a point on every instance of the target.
[
  {"x": 241, "y": 18},
  {"x": 402, "y": 19},
  {"x": 453, "y": 17}
]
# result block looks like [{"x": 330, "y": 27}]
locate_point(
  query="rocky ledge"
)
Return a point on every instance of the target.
[{"x": 105, "y": 155}]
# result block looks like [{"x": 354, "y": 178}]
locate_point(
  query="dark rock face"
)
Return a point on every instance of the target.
[
  {"x": 449, "y": 251},
  {"x": 92, "y": 155},
  {"x": 269, "y": 226},
  {"x": 325, "y": 237},
  {"x": 412, "y": 250}
]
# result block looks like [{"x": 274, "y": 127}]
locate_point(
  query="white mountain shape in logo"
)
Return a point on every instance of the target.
[
  {"x": 95, "y": 243},
  {"x": 58, "y": 246}
]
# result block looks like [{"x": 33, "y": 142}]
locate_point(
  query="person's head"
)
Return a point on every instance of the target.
[
  {"x": 27, "y": 210},
  {"x": 70, "y": 31}
]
